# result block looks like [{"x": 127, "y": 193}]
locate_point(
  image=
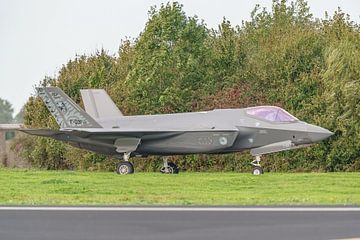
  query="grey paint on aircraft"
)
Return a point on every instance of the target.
[{"x": 217, "y": 131}]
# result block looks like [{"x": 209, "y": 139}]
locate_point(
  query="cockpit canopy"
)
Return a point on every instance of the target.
[{"x": 271, "y": 113}]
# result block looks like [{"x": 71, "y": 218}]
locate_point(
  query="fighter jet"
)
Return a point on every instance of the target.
[{"x": 102, "y": 128}]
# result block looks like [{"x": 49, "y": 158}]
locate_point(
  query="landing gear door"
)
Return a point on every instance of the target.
[
  {"x": 271, "y": 148},
  {"x": 126, "y": 144}
]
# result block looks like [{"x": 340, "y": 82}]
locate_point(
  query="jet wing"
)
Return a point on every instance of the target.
[
  {"x": 96, "y": 134},
  {"x": 122, "y": 144},
  {"x": 128, "y": 140},
  {"x": 137, "y": 133}
]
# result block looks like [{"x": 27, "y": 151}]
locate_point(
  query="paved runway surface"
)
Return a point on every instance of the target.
[{"x": 129, "y": 223}]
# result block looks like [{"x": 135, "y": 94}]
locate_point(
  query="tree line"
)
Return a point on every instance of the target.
[
  {"x": 282, "y": 56},
  {"x": 6, "y": 116}
]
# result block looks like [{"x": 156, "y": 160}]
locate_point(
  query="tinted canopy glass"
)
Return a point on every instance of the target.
[{"x": 273, "y": 114}]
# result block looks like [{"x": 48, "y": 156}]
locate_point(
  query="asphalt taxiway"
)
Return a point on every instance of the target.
[{"x": 38, "y": 223}]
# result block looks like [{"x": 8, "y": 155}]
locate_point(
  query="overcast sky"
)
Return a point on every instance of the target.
[{"x": 38, "y": 36}]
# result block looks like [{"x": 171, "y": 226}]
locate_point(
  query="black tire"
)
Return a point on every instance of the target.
[
  {"x": 124, "y": 168},
  {"x": 170, "y": 170},
  {"x": 257, "y": 170},
  {"x": 174, "y": 167}
]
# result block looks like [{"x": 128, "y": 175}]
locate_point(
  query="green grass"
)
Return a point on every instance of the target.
[{"x": 33, "y": 187}]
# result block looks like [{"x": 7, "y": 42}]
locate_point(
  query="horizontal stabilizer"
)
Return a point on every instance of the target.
[{"x": 41, "y": 132}]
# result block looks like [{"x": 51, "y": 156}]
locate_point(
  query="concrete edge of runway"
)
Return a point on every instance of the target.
[{"x": 187, "y": 208}]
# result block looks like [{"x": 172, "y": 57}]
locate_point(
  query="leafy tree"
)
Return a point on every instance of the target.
[
  {"x": 170, "y": 70},
  {"x": 6, "y": 111},
  {"x": 282, "y": 56},
  {"x": 19, "y": 117},
  {"x": 340, "y": 98}
]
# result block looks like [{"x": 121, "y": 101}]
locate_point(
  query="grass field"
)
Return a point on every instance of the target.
[{"x": 32, "y": 187}]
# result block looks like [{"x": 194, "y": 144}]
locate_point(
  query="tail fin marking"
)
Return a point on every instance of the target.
[{"x": 65, "y": 111}]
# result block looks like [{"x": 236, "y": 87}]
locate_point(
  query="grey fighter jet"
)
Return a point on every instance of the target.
[{"x": 102, "y": 128}]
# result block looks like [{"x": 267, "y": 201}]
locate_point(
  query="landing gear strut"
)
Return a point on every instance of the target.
[
  {"x": 169, "y": 167},
  {"x": 257, "y": 169},
  {"x": 125, "y": 167}
]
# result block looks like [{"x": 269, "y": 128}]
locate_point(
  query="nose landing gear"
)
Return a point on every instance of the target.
[{"x": 257, "y": 169}]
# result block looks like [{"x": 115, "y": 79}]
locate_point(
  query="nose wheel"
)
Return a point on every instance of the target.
[{"x": 257, "y": 169}]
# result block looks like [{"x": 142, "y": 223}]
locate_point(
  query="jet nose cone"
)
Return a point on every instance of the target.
[{"x": 317, "y": 134}]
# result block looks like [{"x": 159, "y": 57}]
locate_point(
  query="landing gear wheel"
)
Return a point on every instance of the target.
[
  {"x": 124, "y": 168},
  {"x": 167, "y": 170},
  {"x": 171, "y": 168},
  {"x": 174, "y": 167},
  {"x": 257, "y": 170}
]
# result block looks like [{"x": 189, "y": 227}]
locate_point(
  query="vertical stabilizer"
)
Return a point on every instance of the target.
[
  {"x": 65, "y": 111},
  {"x": 98, "y": 104}
]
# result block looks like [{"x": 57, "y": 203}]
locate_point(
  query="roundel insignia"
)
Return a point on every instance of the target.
[{"x": 223, "y": 140}]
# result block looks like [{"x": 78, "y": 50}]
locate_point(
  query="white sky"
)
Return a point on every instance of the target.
[{"x": 38, "y": 36}]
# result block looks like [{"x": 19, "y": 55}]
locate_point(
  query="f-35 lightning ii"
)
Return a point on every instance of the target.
[{"x": 102, "y": 128}]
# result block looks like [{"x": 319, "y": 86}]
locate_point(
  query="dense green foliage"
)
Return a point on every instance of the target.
[
  {"x": 280, "y": 57},
  {"x": 30, "y": 187}
]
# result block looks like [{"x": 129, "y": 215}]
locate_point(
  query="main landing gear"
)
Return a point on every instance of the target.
[
  {"x": 125, "y": 167},
  {"x": 169, "y": 167},
  {"x": 257, "y": 169}
]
